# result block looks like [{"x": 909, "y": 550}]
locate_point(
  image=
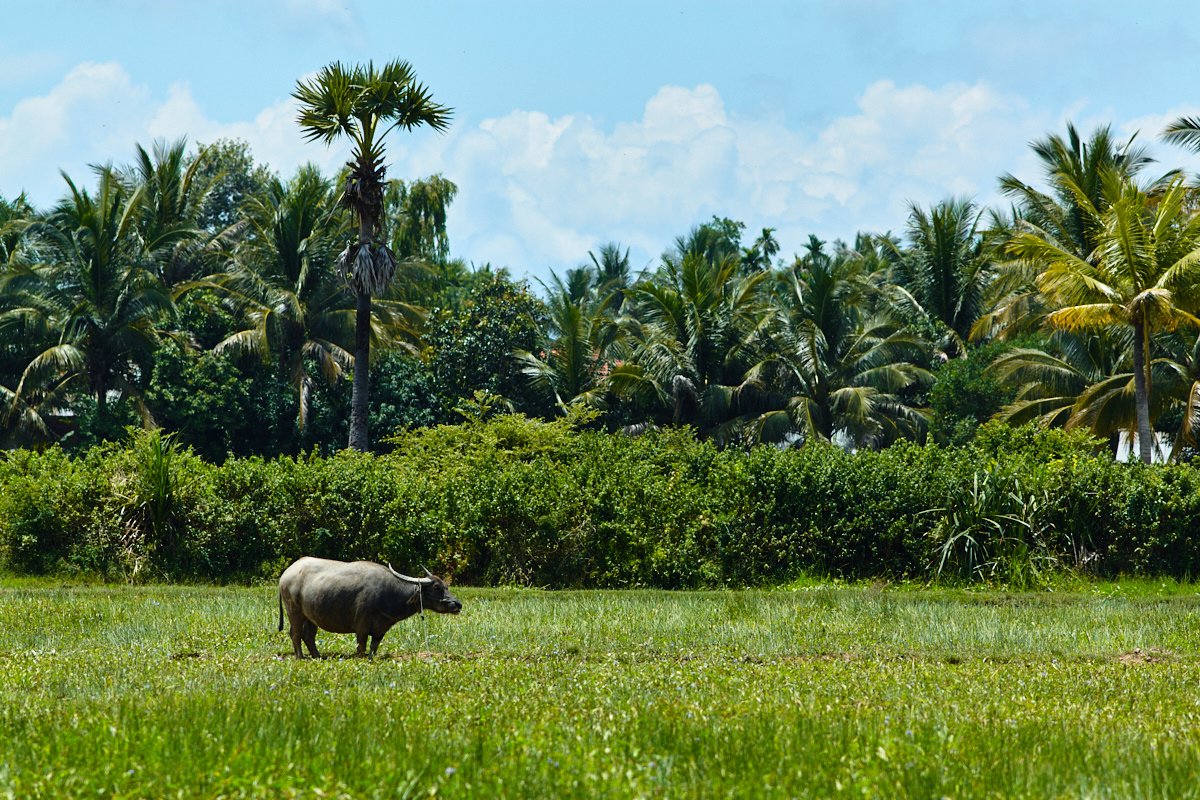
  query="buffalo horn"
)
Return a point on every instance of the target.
[{"x": 407, "y": 578}]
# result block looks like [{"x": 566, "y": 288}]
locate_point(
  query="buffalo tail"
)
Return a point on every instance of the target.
[{"x": 281, "y": 611}]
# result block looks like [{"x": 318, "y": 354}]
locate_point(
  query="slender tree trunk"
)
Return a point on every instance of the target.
[
  {"x": 359, "y": 439},
  {"x": 1141, "y": 391}
]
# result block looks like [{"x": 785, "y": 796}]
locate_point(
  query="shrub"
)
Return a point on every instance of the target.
[{"x": 509, "y": 500}]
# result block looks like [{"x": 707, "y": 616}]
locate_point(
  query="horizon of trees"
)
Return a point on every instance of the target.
[{"x": 196, "y": 291}]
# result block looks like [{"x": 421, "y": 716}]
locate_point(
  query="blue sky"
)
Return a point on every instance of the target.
[{"x": 580, "y": 123}]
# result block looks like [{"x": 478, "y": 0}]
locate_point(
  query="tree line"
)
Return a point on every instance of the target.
[{"x": 196, "y": 291}]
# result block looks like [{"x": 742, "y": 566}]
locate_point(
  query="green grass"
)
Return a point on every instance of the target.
[{"x": 816, "y": 692}]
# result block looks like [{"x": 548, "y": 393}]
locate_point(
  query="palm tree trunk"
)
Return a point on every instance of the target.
[
  {"x": 359, "y": 439},
  {"x": 1141, "y": 391}
]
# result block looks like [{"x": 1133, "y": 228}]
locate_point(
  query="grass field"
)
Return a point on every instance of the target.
[{"x": 821, "y": 691}]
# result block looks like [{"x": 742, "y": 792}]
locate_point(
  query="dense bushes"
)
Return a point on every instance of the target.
[{"x": 510, "y": 500}]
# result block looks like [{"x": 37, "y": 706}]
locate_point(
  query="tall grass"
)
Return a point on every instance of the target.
[{"x": 823, "y": 691}]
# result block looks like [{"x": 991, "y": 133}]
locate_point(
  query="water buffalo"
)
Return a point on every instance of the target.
[{"x": 361, "y": 597}]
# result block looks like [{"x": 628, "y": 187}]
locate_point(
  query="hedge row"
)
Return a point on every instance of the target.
[{"x": 511, "y": 500}]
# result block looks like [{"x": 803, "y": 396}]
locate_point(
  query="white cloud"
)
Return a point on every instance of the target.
[
  {"x": 1149, "y": 128},
  {"x": 561, "y": 186},
  {"x": 96, "y": 114},
  {"x": 537, "y": 192}
]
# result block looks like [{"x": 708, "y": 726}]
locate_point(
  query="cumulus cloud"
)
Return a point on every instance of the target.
[
  {"x": 96, "y": 115},
  {"x": 538, "y": 192},
  {"x": 551, "y": 189}
]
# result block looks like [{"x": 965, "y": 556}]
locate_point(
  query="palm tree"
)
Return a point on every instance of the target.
[
  {"x": 1144, "y": 273},
  {"x": 364, "y": 104},
  {"x": 839, "y": 364},
  {"x": 581, "y": 332},
  {"x": 692, "y": 334},
  {"x": 611, "y": 274},
  {"x": 15, "y": 217},
  {"x": 1074, "y": 169},
  {"x": 283, "y": 285},
  {"x": 94, "y": 298},
  {"x": 1184, "y": 131},
  {"x": 945, "y": 271},
  {"x": 1074, "y": 379},
  {"x": 757, "y": 257}
]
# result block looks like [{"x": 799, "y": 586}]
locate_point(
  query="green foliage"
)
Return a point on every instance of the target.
[
  {"x": 471, "y": 348},
  {"x": 504, "y": 499},
  {"x": 964, "y": 396}
]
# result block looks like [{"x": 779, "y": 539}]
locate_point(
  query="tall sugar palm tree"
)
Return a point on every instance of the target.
[{"x": 364, "y": 104}]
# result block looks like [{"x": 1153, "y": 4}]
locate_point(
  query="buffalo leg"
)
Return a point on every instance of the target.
[
  {"x": 362, "y": 646},
  {"x": 295, "y": 632},
  {"x": 309, "y": 634},
  {"x": 375, "y": 640}
]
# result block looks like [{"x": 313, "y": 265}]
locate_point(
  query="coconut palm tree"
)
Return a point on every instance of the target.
[
  {"x": 1073, "y": 169},
  {"x": 1184, "y": 131},
  {"x": 1069, "y": 382},
  {"x": 15, "y": 217},
  {"x": 580, "y": 334},
  {"x": 282, "y": 284},
  {"x": 692, "y": 334},
  {"x": 611, "y": 274},
  {"x": 364, "y": 104},
  {"x": 839, "y": 364},
  {"x": 172, "y": 196},
  {"x": 93, "y": 299},
  {"x": 945, "y": 271},
  {"x": 757, "y": 256},
  {"x": 1144, "y": 273}
]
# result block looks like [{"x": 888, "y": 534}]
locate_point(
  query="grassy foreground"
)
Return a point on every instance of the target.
[{"x": 818, "y": 692}]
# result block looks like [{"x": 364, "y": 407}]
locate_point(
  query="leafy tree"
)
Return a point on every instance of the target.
[
  {"x": 227, "y": 168},
  {"x": 1184, "y": 131},
  {"x": 472, "y": 348},
  {"x": 364, "y": 104},
  {"x": 220, "y": 408},
  {"x": 965, "y": 394},
  {"x": 416, "y": 214},
  {"x": 15, "y": 217}
]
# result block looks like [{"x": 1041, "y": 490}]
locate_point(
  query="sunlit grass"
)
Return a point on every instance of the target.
[{"x": 814, "y": 692}]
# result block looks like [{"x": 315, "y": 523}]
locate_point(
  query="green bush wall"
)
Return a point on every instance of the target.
[{"x": 516, "y": 501}]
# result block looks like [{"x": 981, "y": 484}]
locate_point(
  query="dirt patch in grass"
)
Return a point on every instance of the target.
[{"x": 1140, "y": 656}]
